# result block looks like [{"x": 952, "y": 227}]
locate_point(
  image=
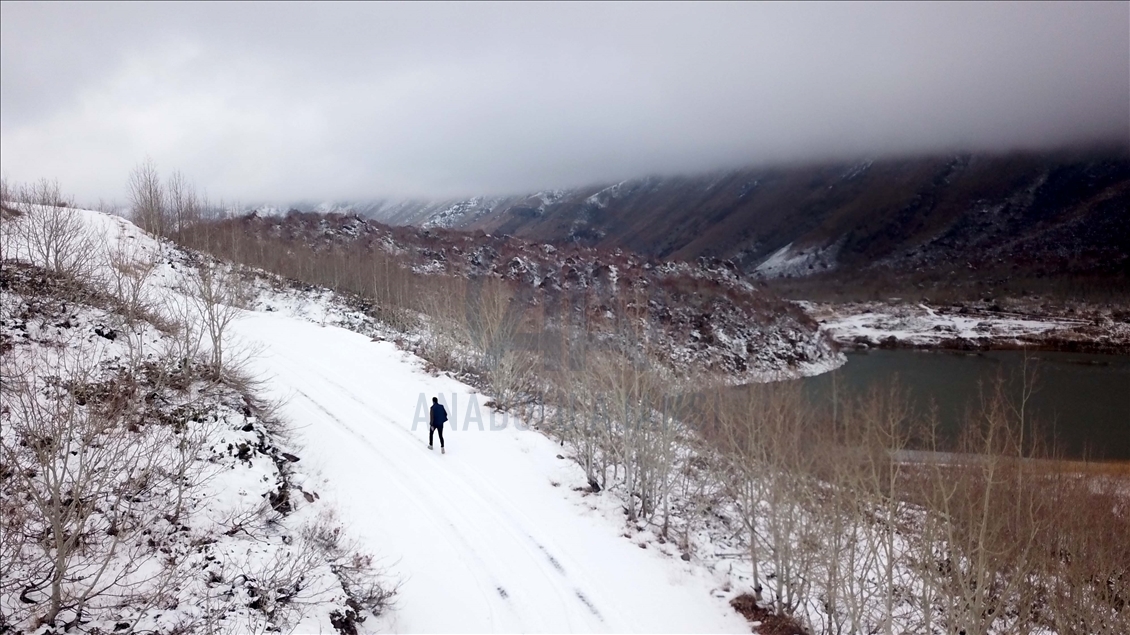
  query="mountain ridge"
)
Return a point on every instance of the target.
[{"x": 954, "y": 219}]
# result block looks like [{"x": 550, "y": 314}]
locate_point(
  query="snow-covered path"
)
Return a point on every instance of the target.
[{"x": 482, "y": 537}]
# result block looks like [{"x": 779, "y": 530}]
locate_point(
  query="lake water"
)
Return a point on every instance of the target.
[{"x": 1083, "y": 401}]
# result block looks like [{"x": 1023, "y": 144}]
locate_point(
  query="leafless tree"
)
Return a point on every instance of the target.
[
  {"x": 49, "y": 231},
  {"x": 184, "y": 344},
  {"x": 84, "y": 475},
  {"x": 148, "y": 199},
  {"x": 639, "y": 431},
  {"x": 184, "y": 208},
  {"x": 988, "y": 516},
  {"x": 129, "y": 272},
  {"x": 1087, "y": 565},
  {"x": 219, "y": 294},
  {"x": 581, "y": 420}
]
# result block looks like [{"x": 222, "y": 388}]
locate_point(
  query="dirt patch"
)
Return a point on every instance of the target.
[{"x": 769, "y": 622}]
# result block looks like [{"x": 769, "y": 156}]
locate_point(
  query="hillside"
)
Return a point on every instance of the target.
[
  {"x": 200, "y": 446},
  {"x": 147, "y": 485},
  {"x": 1011, "y": 223},
  {"x": 305, "y": 497},
  {"x": 699, "y": 319}
]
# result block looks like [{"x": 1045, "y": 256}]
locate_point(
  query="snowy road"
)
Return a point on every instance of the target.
[{"x": 482, "y": 538}]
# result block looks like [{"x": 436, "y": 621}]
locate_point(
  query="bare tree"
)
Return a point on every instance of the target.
[
  {"x": 83, "y": 474},
  {"x": 765, "y": 432},
  {"x": 1087, "y": 566},
  {"x": 183, "y": 204},
  {"x": 219, "y": 294},
  {"x": 639, "y": 431},
  {"x": 990, "y": 518},
  {"x": 185, "y": 342},
  {"x": 129, "y": 272},
  {"x": 147, "y": 197},
  {"x": 49, "y": 231},
  {"x": 486, "y": 316},
  {"x": 579, "y": 421},
  {"x": 880, "y": 432}
]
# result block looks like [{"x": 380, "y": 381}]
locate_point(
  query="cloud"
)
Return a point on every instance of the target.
[{"x": 276, "y": 102}]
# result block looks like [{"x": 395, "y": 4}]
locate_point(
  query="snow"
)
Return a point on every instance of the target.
[
  {"x": 498, "y": 534},
  {"x": 601, "y": 198},
  {"x": 921, "y": 325},
  {"x": 491, "y": 536},
  {"x": 788, "y": 261},
  {"x": 488, "y": 537},
  {"x": 237, "y": 460},
  {"x": 461, "y": 213},
  {"x": 548, "y": 197}
]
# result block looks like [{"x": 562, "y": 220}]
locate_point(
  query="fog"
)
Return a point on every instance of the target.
[{"x": 281, "y": 102}]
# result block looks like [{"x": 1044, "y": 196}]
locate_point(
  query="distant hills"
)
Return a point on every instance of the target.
[{"x": 1011, "y": 223}]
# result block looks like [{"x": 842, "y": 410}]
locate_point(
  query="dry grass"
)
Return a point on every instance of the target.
[{"x": 768, "y": 623}]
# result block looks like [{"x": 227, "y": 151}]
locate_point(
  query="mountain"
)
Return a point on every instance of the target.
[{"x": 965, "y": 220}]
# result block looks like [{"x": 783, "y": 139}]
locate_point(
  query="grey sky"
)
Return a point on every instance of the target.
[{"x": 278, "y": 102}]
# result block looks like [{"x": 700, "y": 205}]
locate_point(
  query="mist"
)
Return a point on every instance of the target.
[{"x": 301, "y": 101}]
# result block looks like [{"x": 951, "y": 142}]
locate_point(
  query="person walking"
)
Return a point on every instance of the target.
[{"x": 437, "y": 418}]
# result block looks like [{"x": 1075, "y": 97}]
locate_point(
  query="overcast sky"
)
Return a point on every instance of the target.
[{"x": 277, "y": 102}]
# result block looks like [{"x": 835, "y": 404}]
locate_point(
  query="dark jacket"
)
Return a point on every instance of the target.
[{"x": 439, "y": 414}]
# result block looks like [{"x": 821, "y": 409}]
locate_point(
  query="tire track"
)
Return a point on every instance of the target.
[{"x": 461, "y": 521}]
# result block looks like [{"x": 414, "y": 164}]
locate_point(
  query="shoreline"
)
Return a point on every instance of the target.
[
  {"x": 959, "y": 345},
  {"x": 958, "y": 328}
]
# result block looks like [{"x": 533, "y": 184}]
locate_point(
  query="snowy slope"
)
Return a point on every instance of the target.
[
  {"x": 239, "y": 554},
  {"x": 490, "y": 536}
]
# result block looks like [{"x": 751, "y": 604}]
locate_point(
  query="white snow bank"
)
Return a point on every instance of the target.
[{"x": 921, "y": 325}]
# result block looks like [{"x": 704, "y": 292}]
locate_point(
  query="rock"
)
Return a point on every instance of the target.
[{"x": 105, "y": 332}]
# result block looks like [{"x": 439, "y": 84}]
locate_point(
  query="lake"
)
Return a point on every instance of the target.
[{"x": 1082, "y": 401}]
